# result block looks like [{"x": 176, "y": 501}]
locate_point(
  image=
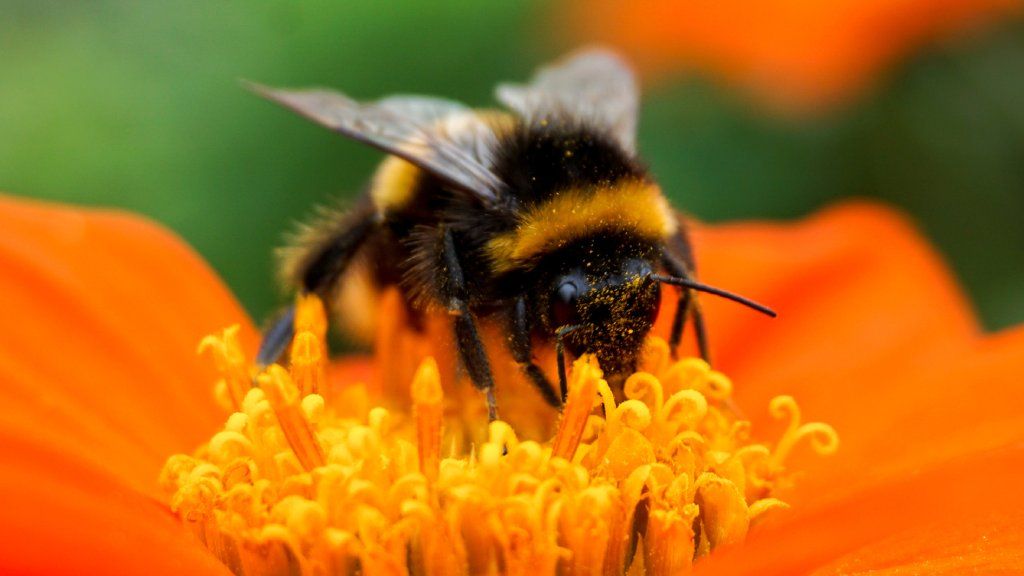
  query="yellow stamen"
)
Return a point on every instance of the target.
[
  {"x": 310, "y": 316},
  {"x": 307, "y": 367},
  {"x": 669, "y": 541},
  {"x": 823, "y": 438},
  {"x": 582, "y": 391},
  {"x": 284, "y": 398},
  {"x": 229, "y": 359},
  {"x": 723, "y": 509},
  {"x": 309, "y": 346},
  {"x": 426, "y": 398},
  {"x": 298, "y": 484}
]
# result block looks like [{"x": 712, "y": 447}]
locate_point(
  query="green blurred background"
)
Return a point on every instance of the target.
[{"x": 137, "y": 105}]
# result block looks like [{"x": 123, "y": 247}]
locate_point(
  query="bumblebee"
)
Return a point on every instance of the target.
[{"x": 540, "y": 218}]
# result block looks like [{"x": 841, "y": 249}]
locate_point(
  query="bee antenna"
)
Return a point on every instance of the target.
[{"x": 694, "y": 285}]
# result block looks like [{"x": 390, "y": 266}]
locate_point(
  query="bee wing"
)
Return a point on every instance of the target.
[
  {"x": 593, "y": 85},
  {"x": 440, "y": 136}
]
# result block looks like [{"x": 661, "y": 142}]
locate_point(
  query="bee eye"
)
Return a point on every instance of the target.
[{"x": 563, "y": 305}]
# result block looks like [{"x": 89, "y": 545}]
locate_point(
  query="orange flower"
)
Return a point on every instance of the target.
[
  {"x": 100, "y": 385},
  {"x": 794, "y": 54}
]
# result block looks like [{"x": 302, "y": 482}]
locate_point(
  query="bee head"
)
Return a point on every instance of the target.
[{"x": 605, "y": 308}]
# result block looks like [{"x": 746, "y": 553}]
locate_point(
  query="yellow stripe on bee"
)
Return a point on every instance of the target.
[
  {"x": 394, "y": 184},
  {"x": 396, "y": 180},
  {"x": 635, "y": 206}
]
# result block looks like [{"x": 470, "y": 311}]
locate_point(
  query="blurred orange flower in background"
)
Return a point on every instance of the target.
[
  {"x": 100, "y": 383},
  {"x": 794, "y": 54}
]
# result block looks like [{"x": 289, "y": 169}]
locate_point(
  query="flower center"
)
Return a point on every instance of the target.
[{"x": 300, "y": 483}]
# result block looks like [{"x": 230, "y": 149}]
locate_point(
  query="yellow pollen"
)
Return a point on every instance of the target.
[{"x": 296, "y": 484}]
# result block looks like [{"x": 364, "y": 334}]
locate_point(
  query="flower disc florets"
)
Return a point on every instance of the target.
[{"x": 296, "y": 483}]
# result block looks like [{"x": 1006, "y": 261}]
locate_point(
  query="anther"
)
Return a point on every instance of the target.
[
  {"x": 579, "y": 403},
  {"x": 427, "y": 397},
  {"x": 230, "y": 361},
  {"x": 284, "y": 398}
]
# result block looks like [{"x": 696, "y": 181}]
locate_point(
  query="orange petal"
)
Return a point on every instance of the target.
[
  {"x": 964, "y": 517},
  {"x": 61, "y": 514},
  {"x": 855, "y": 286},
  {"x": 990, "y": 545},
  {"x": 969, "y": 404},
  {"x": 102, "y": 315},
  {"x": 858, "y": 292}
]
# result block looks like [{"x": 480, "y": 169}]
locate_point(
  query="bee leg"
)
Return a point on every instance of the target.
[
  {"x": 688, "y": 305},
  {"x": 522, "y": 353},
  {"x": 563, "y": 381},
  {"x": 702, "y": 333},
  {"x": 679, "y": 322},
  {"x": 277, "y": 338},
  {"x": 467, "y": 337}
]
